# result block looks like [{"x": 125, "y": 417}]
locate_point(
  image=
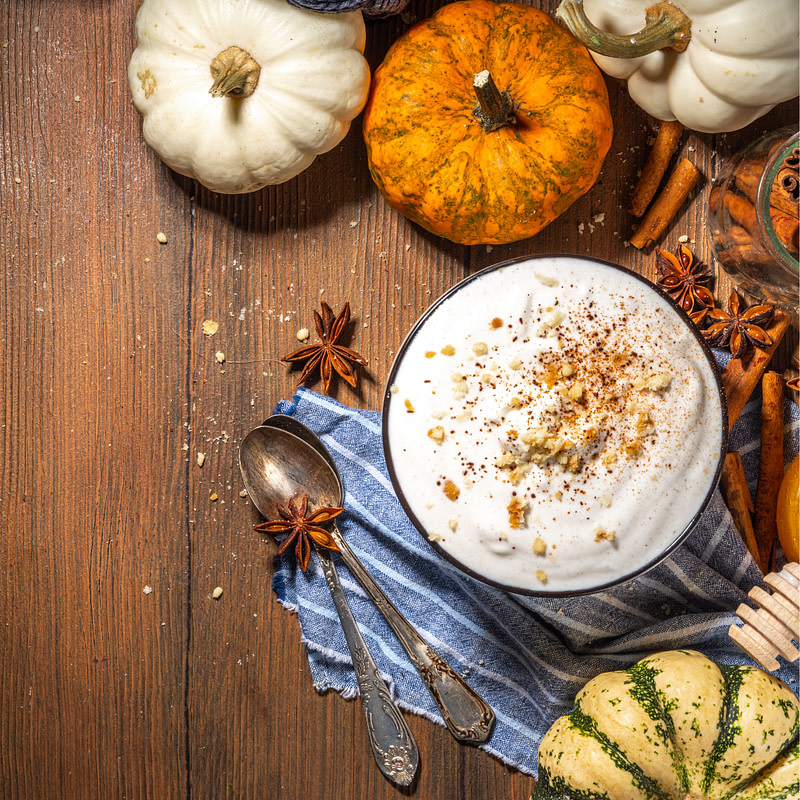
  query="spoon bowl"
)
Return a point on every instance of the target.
[{"x": 276, "y": 466}]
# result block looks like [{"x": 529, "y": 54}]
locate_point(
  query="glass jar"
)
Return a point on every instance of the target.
[{"x": 753, "y": 218}]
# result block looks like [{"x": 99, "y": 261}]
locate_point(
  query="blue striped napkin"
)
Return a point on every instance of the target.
[{"x": 526, "y": 656}]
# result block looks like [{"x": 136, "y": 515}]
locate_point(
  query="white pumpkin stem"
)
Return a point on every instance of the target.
[
  {"x": 666, "y": 28},
  {"x": 494, "y": 108},
  {"x": 235, "y": 73}
]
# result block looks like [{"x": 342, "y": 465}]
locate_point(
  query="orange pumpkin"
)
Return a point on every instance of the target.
[{"x": 486, "y": 122}]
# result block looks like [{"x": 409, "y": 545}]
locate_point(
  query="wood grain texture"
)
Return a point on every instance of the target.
[{"x": 109, "y": 390}]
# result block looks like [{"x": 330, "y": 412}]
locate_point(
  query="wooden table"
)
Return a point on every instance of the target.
[{"x": 120, "y": 675}]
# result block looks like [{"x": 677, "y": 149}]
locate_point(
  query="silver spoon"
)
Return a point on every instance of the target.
[
  {"x": 276, "y": 467},
  {"x": 466, "y": 714}
]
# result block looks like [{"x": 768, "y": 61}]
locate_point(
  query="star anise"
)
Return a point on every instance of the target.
[
  {"x": 682, "y": 278},
  {"x": 302, "y": 528},
  {"x": 329, "y": 355},
  {"x": 740, "y": 327},
  {"x": 700, "y": 315}
]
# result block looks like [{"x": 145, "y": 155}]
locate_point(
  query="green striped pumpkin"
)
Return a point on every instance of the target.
[{"x": 675, "y": 726}]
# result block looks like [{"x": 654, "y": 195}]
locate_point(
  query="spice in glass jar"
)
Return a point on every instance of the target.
[{"x": 753, "y": 218}]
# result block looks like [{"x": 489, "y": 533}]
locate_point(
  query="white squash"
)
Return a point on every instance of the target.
[
  {"x": 714, "y": 65},
  {"x": 675, "y": 726},
  {"x": 240, "y": 94}
]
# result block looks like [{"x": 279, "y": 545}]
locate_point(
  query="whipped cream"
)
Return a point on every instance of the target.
[{"x": 554, "y": 425}]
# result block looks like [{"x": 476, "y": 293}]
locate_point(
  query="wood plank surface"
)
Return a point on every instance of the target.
[{"x": 120, "y": 675}]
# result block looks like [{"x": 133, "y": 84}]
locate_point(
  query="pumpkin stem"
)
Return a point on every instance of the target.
[
  {"x": 666, "y": 27},
  {"x": 235, "y": 73},
  {"x": 494, "y": 108}
]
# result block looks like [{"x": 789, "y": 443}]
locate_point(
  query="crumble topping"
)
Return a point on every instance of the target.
[
  {"x": 602, "y": 535},
  {"x": 656, "y": 383},
  {"x": 451, "y": 491},
  {"x": 437, "y": 434},
  {"x": 516, "y": 511}
]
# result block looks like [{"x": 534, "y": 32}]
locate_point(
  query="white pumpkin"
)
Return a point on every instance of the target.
[
  {"x": 714, "y": 65},
  {"x": 240, "y": 94}
]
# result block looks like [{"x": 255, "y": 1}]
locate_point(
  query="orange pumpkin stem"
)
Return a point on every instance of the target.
[{"x": 494, "y": 108}]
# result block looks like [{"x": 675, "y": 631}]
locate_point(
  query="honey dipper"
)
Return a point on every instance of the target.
[{"x": 768, "y": 631}]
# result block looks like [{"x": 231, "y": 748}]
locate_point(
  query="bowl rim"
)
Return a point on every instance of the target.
[{"x": 527, "y": 591}]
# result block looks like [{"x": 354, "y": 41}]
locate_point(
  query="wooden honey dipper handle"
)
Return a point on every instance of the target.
[{"x": 771, "y": 630}]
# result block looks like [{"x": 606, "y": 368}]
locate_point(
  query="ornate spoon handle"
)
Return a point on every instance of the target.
[
  {"x": 392, "y": 744},
  {"x": 466, "y": 713}
]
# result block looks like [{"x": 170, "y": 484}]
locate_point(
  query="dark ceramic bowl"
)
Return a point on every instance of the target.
[{"x": 393, "y": 404}]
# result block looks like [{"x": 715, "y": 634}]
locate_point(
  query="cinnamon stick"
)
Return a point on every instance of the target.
[
  {"x": 739, "y": 236},
  {"x": 741, "y": 207},
  {"x": 740, "y": 378},
  {"x": 786, "y": 228},
  {"x": 713, "y": 198},
  {"x": 655, "y": 166},
  {"x": 770, "y": 468},
  {"x": 743, "y": 212},
  {"x": 667, "y": 204},
  {"x": 747, "y": 177},
  {"x": 779, "y": 198},
  {"x": 753, "y": 254},
  {"x": 733, "y": 484}
]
